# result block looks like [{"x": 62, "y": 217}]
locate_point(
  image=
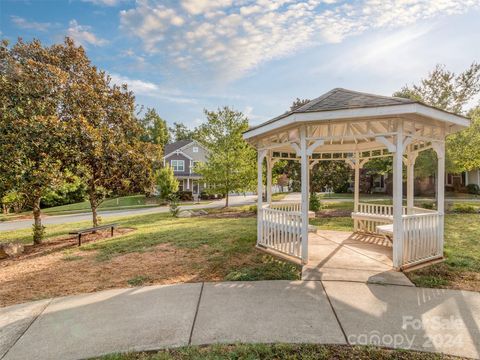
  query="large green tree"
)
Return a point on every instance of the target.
[
  {"x": 109, "y": 154},
  {"x": 156, "y": 129},
  {"x": 33, "y": 146},
  {"x": 180, "y": 131},
  {"x": 231, "y": 162},
  {"x": 452, "y": 92}
]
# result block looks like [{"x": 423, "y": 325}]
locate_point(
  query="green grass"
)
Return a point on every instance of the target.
[
  {"x": 138, "y": 280},
  {"x": 333, "y": 223},
  {"x": 279, "y": 196},
  {"x": 121, "y": 202},
  {"x": 223, "y": 242},
  {"x": 277, "y": 351}
]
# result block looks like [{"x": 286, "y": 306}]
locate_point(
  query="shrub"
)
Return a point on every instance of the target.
[
  {"x": 473, "y": 189},
  {"x": 315, "y": 204},
  {"x": 185, "y": 195},
  {"x": 427, "y": 205},
  {"x": 166, "y": 181},
  {"x": 173, "y": 205},
  {"x": 464, "y": 209}
]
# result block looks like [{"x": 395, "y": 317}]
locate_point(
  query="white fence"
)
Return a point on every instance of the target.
[
  {"x": 422, "y": 237},
  {"x": 281, "y": 228}
]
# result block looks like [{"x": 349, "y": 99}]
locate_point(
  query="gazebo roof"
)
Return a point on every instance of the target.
[
  {"x": 347, "y": 105},
  {"x": 339, "y": 98}
]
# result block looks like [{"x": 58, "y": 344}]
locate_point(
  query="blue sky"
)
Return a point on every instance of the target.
[{"x": 255, "y": 55}]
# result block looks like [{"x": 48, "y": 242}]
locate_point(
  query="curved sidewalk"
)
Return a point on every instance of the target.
[{"x": 154, "y": 317}]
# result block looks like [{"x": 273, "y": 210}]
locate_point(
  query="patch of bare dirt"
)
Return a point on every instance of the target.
[
  {"x": 63, "y": 273},
  {"x": 58, "y": 274}
]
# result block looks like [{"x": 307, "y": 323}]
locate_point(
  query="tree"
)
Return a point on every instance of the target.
[
  {"x": 106, "y": 136},
  {"x": 451, "y": 92},
  {"x": 330, "y": 174},
  {"x": 33, "y": 147},
  {"x": 231, "y": 162},
  {"x": 167, "y": 182},
  {"x": 156, "y": 129},
  {"x": 180, "y": 132},
  {"x": 445, "y": 89},
  {"x": 298, "y": 103}
]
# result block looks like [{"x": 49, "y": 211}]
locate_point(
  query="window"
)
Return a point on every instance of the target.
[
  {"x": 195, "y": 149},
  {"x": 178, "y": 165}
]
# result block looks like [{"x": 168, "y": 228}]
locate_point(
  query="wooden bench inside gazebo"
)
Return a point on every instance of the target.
[{"x": 354, "y": 127}]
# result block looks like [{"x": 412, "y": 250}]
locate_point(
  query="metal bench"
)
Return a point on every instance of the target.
[{"x": 80, "y": 232}]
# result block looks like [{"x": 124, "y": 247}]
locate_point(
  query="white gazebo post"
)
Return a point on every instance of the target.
[
  {"x": 260, "y": 156},
  {"x": 411, "y": 157},
  {"x": 398, "y": 198},
  {"x": 304, "y": 203},
  {"x": 439, "y": 148},
  {"x": 269, "y": 178}
]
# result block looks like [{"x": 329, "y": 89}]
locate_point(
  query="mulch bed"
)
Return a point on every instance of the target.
[{"x": 63, "y": 243}]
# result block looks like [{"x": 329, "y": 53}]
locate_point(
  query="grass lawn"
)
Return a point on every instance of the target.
[
  {"x": 277, "y": 351},
  {"x": 149, "y": 249},
  {"x": 120, "y": 203}
]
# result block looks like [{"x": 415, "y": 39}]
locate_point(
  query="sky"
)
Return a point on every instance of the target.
[{"x": 181, "y": 57}]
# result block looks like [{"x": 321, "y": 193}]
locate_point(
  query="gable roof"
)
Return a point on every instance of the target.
[
  {"x": 343, "y": 100},
  {"x": 177, "y": 145}
]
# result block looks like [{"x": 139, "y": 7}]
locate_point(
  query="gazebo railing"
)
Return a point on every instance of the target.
[
  {"x": 422, "y": 229},
  {"x": 281, "y": 228},
  {"x": 422, "y": 237}
]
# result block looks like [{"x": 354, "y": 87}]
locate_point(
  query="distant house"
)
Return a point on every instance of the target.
[{"x": 182, "y": 156}]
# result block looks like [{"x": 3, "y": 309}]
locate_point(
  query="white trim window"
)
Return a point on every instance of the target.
[
  {"x": 177, "y": 165},
  {"x": 195, "y": 149}
]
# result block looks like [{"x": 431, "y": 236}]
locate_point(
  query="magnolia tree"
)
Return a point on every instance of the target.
[
  {"x": 231, "y": 162},
  {"x": 109, "y": 154},
  {"x": 61, "y": 114},
  {"x": 33, "y": 139}
]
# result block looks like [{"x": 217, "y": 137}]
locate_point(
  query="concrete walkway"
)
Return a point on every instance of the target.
[
  {"x": 329, "y": 312},
  {"x": 87, "y": 216}
]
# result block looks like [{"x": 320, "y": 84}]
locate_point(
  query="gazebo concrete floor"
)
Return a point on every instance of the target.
[{"x": 347, "y": 256}]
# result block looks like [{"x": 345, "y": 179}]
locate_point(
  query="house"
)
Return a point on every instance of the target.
[{"x": 182, "y": 156}]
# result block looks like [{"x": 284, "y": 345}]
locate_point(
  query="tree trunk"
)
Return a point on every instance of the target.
[
  {"x": 226, "y": 200},
  {"x": 93, "y": 206},
  {"x": 37, "y": 226}
]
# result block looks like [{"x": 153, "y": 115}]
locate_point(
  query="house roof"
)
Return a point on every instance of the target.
[
  {"x": 343, "y": 102},
  {"x": 177, "y": 145}
]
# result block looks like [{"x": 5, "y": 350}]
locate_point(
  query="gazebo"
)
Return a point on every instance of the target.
[{"x": 355, "y": 127}]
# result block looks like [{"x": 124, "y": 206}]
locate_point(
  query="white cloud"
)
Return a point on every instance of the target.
[
  {"x": 145, "y": 88},
  {"x": 196, "y": 7},
  {"x": 25, "y": 24},
  {"x": 82, "y": 34},
  {"x": 232, "y": 38}
]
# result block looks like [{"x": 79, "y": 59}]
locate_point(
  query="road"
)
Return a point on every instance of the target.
[{"x": 72, "y": 218}]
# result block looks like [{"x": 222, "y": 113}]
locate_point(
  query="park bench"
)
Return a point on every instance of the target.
[
  {"x": 386, "y": 230},
  {"x": 81, "y": 232}
]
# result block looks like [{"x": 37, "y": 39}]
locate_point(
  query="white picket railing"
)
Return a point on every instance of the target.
[
  {"x": 422, "y": 237},
  {"x": 281, "y": 228}
]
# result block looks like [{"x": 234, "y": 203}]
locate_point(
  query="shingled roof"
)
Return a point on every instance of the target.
[
  {"x": 340, "y": 99},
  {"x": 169, "y": 148}
]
